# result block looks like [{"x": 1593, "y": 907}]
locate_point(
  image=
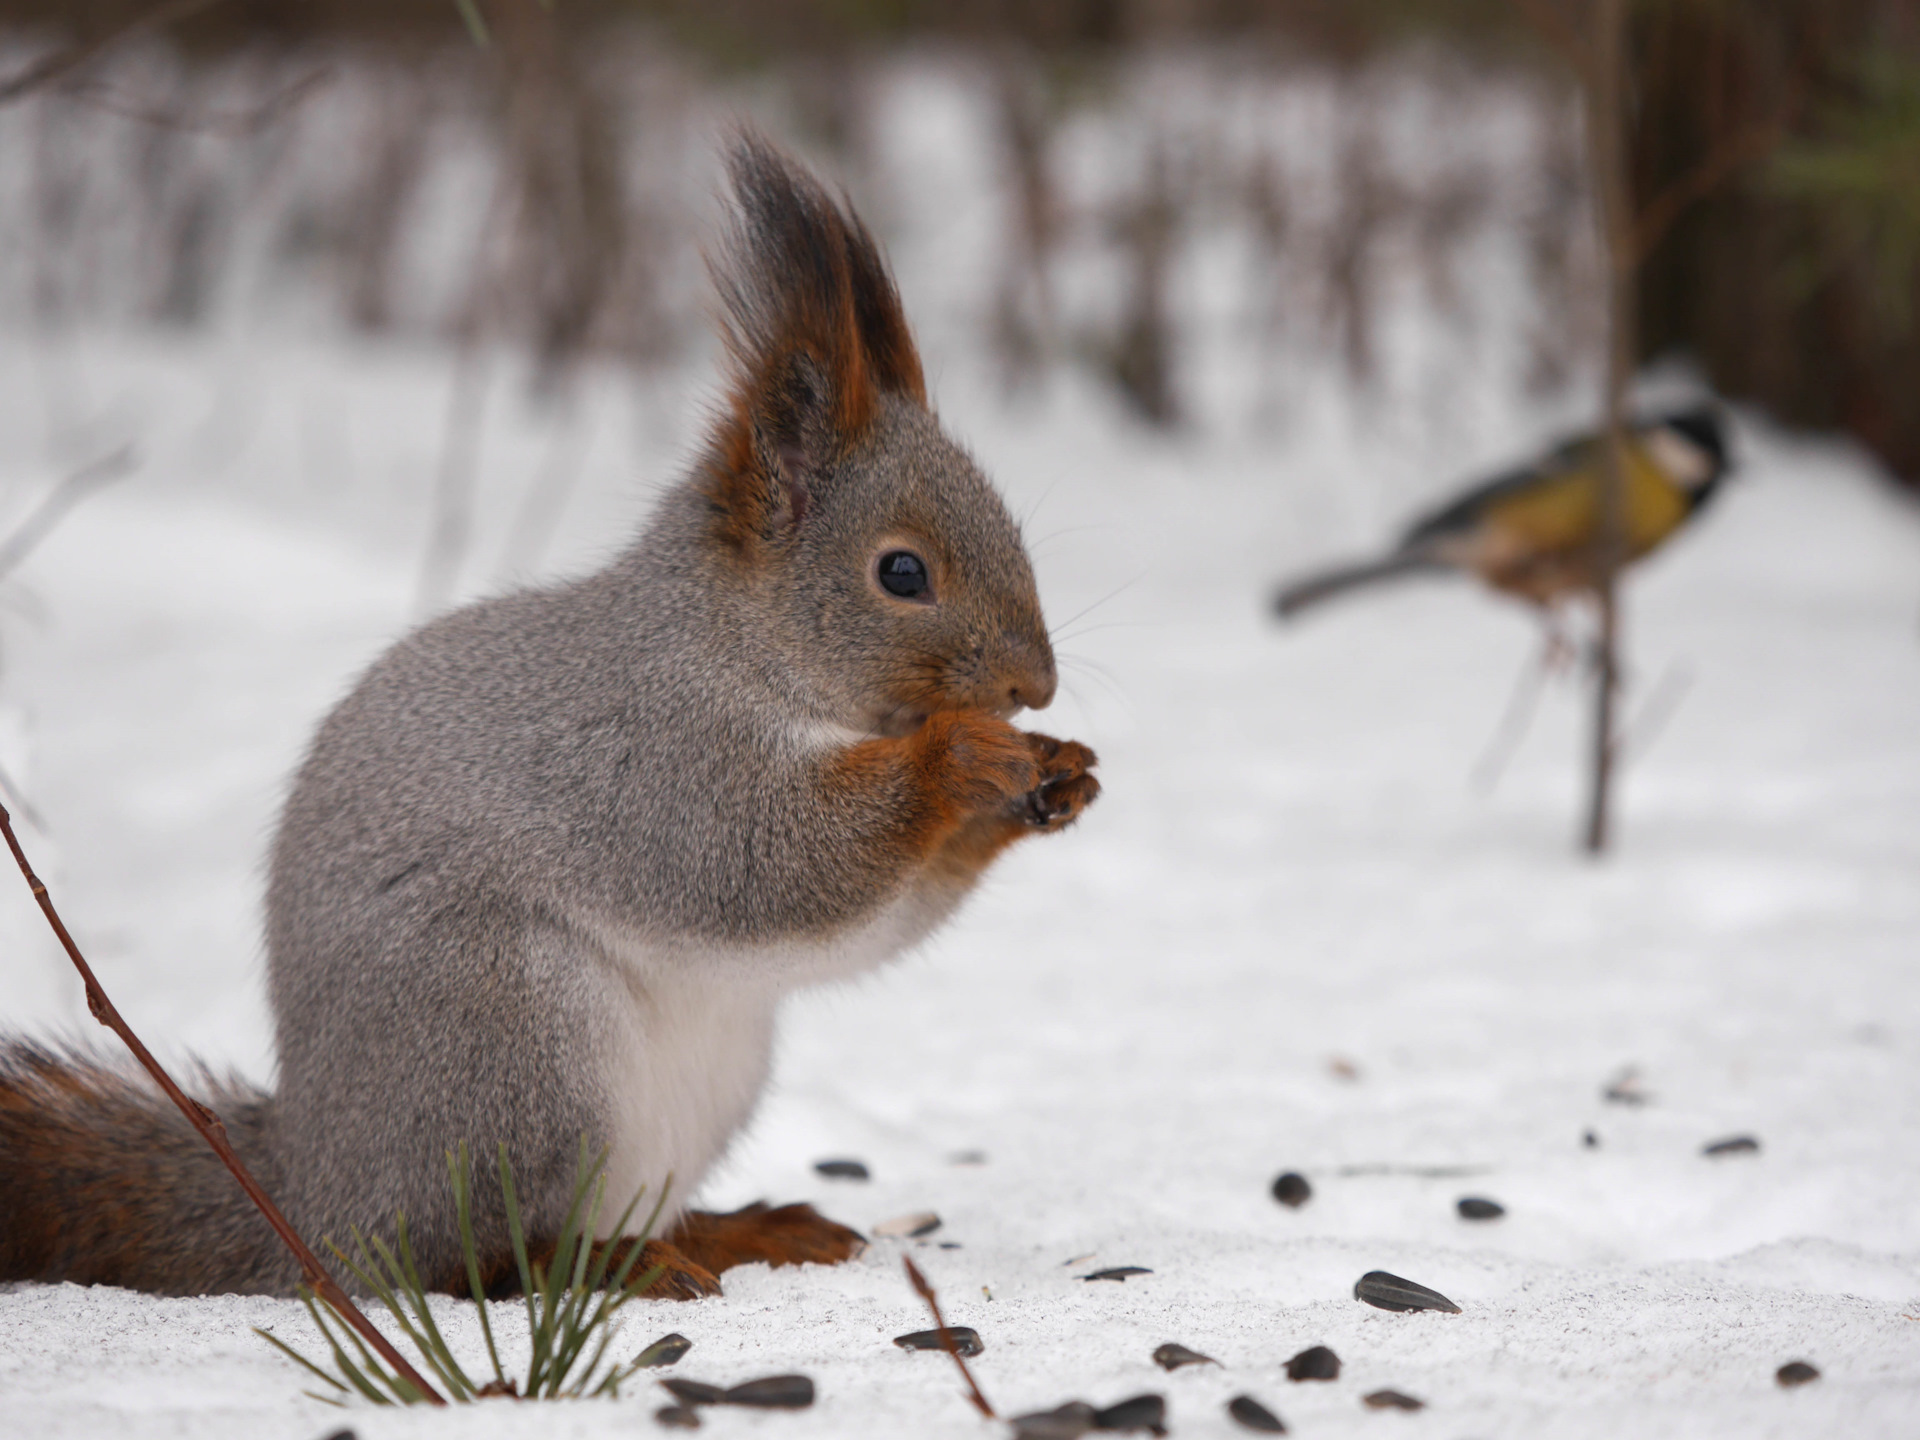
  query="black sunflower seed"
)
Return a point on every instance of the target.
[
  {"x": 1141, "y": 1412},
  {"x": 1118, "y": 1272},
  {"x": 1065, "y": 1422},
  {"x": 1391, "y": 1292},
  {"x": 774, "y": 1392},
  {"x": 1255, "y": 1416},
  {"x": 1473, "y": 1207},
  {"x": 1796, "y": 1372},
  {"x": 1315, "y": 1363},
  {"x": 1171, "y": 1357},
  {"x": 1292, "y": 1190},
  {"x": 677, "y": 1417},
  {"x": 667, "y": 1350},
  {"x": 966, "y": 1340},
  {"x": 692, "y": 1392},
  {"x": 841, "y": 1169},
  {"x": 1732, "y": 1145},
  {"x": 1392, "y": 1400}
]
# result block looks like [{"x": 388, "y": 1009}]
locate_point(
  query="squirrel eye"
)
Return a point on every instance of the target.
[{"x": 903, "y": 573}]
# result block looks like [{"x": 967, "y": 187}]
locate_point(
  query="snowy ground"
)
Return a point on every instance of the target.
[{"x": 1135, "y": 1023}]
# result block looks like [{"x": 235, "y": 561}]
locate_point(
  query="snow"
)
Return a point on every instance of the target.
[
  {"x": 1134, "y": 1022},
  {"x": 1291, "y": 934}
]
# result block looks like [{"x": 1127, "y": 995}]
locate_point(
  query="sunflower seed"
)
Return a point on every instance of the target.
[
  {"x": 1255, "y": 1416},
  {"x": 1795, "y": 1372},
  {"x": 1391, "y": 1292},
  {"x": 1142, "y": 1412},
  {"x": 677, "y": 1417},
  {"x": 667, "y": 1350},
  {"x": 1118, "y": 1272},
  {"x": 692, "y": 1392},
  {"x": 775, "y": 1392},
  {"x": 1292, "y": 1190},
  {"x": 1732, "y": 1145},
  {"x": 966, "y": 1340},
  {"x": 842, "y": 1169},
  {"x": 920, "y": 1222},
  {"x": 1472, "y": 1207},
  {"x": 1392, "y": 1400},
  {"x": 1065, "y": 1422},
  {"x": 1171, "y": 1357},
  {"x": 1315, "y": 1363}
]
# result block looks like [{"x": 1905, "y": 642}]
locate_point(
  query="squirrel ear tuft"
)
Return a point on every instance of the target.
[{"x": 815, "y": 333}]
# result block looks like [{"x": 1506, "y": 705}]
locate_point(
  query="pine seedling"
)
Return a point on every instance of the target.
[{"x": 572, "y": 1302}]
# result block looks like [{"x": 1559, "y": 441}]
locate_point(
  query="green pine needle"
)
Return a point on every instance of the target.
[{"x": 572, "y": 1304}]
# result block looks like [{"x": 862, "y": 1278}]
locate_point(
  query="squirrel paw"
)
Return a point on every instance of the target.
[
  {"x": 1066, "y": 784},
  {"x": 980, "y": 762},
  {"x": 680, "y": 1278}
]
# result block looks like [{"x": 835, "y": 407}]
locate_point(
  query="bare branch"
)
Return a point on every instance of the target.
[
  {"x": 61, "y": 63},
  {"x": 1558, "y": 32},
  {"x": 1732, "y": 154},
  {"x": 68, "y": 493},
  {"x": 947, "y": 1344},
  {"x": 214, "y": 1133}
]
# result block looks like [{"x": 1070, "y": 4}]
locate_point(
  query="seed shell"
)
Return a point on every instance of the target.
[
  {"x": 920, "y": 1222},
  {"x": 842, "y": 1169},
  {"x": 1475, "y": 1207},
  {"x": 1315, "y": 1363},
  {"x": 1392, "y": 1400},
  {"x": 1795, "y": 1372},
  {"x": 1291, "y": 1189},
  {"x": 1171, "y": 1357},
  {"x": 1064, "y": 1422},
  {"x": 774, "y": 1392},
  {"x": 1140, "y": 1412},
  {"x": 966, "y": 1340},
  {"x": 1254, "y": 1416},
  {"x": 677, "y": 1417},
  {"x": 1392, "y": 1292},
  {"x": 1118, "y": 1272},
  {"x": 1732, "y": 1145},
  {"x": 667, "y": 1350},
  {"x": 692, "y": 1392}
]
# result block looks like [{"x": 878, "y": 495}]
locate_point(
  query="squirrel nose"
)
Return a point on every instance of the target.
[{"x": 1033, "y": 682}]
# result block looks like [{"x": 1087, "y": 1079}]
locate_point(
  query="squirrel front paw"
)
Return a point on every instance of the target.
[
  {"x": 1065, "y": 786},
  {"x": 977, "y": 761}
]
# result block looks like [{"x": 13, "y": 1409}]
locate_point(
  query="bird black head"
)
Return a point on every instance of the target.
[{"x": 1703, "y": 427}]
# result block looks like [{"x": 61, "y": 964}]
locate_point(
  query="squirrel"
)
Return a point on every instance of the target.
[{"x": 547, "y": 871}]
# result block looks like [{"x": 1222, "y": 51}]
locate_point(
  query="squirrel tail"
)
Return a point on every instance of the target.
[
  {"x": 1310, "y": 590},
  {"x": 103, "y": 1182}
]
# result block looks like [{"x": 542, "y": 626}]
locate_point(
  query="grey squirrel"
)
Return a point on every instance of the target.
[{"x": 548, "y": 870}]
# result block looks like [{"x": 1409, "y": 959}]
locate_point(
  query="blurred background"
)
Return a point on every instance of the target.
[
  {"x": 318, "y": 316},
  {"x": 1186, "y": 201}
]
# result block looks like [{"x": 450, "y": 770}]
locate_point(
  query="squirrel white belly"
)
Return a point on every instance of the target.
[{"x": 547, "y": 871}]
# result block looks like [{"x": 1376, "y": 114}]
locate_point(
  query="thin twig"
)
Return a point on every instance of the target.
[
  {"x": 213, "y": 1132},
  {"x": 49, "y": 68},
  {"x": 1516, "y": 720},
  {"x": 235, "y": 124},
  {"x": 1638, "y": 735},
  {"x": 947, "y": 1342},
  {"x": 65, "y": 496}
]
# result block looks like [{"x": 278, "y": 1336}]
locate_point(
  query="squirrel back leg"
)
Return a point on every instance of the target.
[
  {"x": 777, "y": 1234},
  {"x": 700, "y": 1246}
]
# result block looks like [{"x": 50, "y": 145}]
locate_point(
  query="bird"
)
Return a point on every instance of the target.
[{"x": 1535, "y": 532}]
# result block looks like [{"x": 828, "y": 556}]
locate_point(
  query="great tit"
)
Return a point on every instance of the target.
[{"x": 1535, "y": 532}]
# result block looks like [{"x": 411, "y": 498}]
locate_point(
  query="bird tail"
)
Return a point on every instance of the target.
[
  {"x": 1310, "y": 590},
  {"x": 103, "y": 1182}
]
